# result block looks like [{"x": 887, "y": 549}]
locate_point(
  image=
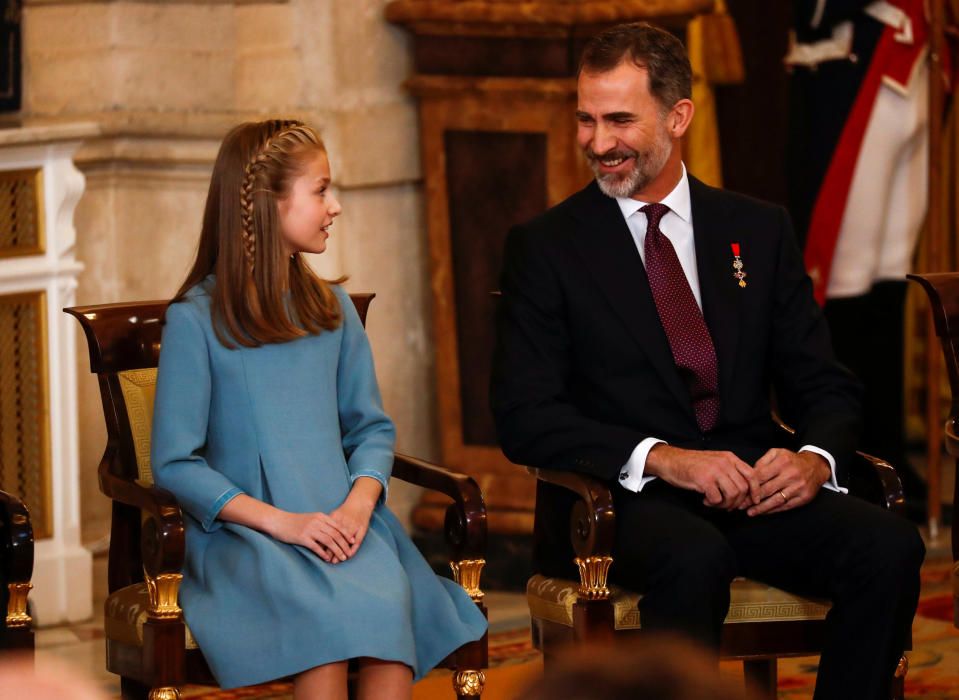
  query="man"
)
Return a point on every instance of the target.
[{"x": 643, "y": 324}]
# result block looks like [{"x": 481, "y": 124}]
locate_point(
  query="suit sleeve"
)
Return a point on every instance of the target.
[
  {"x": 537, "y": 422},
  {"x": 181, "y": 414},
  {"x": 367, "y": 432},
  {"x": 815, "y": 394}
]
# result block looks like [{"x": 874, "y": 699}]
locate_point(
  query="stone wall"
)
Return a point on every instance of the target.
[{"x": 164, "y": 80}]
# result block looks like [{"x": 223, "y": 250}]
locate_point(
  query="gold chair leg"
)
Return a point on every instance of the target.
[
  {"x": 168, "y": 693},
  {"x": 468, "y": 684}
]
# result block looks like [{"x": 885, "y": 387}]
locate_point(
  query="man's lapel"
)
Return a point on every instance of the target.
[
  {"x": 714, "y": 233},
  {"x": 607, "y": 249}
]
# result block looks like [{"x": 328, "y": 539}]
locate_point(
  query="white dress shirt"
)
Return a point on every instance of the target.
[{"x": 677, "y": 226}]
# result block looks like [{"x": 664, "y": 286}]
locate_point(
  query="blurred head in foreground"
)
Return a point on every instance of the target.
[
  {"x": 651, "y": 668},
  {"x": 21, "y": 678}
]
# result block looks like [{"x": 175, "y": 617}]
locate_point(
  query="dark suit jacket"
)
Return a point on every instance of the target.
[{"x": 583, "y": 371}]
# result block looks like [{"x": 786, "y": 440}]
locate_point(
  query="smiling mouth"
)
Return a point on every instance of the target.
[{"x": 612, "y": 162}]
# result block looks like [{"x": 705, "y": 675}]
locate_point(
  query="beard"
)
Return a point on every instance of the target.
[{"x": 647, "y": 165}]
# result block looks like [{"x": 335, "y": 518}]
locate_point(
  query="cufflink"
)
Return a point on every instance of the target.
[{"x": 623, "y": 476}]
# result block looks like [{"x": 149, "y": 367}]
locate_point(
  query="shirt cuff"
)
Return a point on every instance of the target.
[
  {"x": 210, "y": 522},
  {"x": 631, "y": 476},
  {"x": 832, "y": 484},
  {"x": 372, "y": 474}
]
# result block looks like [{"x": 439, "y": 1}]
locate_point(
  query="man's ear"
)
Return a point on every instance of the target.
[{"x": 679, "y": 118}]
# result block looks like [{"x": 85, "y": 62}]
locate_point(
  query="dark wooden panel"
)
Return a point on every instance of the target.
[
  {"x": 494, "y": 180},
  {"x": 753, "y": 117},
  {"x": 10, "y": 56},
  {"x": 494, "y": 56}
]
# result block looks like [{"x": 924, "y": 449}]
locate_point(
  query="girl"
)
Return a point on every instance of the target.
[{"x": 268, "y": 428}]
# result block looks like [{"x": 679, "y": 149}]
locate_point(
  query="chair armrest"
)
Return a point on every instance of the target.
[
  {"x": 893, "y": 498},
  {"x": 592, "y": 525},
  {"x": 162, "y": 543},
  {"x": 465, "y": 526}
]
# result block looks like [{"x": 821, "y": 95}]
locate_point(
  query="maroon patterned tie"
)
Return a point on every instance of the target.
[{"x": 682, "y": 320}]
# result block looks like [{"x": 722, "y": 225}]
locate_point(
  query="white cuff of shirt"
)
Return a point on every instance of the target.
[
  {"x": 631, "y": 476},
  {"x": 832, "y": 484}
]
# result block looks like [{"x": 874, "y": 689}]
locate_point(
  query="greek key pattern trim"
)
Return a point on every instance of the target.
[{"x": 774, "y": 612}]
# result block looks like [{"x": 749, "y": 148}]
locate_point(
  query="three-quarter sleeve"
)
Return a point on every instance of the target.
[
  {"x": 180, "y": 417},
  {"x": 368, "y": 433}
]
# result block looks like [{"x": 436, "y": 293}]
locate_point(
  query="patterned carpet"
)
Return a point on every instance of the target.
[{"x": 933, "y": 672}]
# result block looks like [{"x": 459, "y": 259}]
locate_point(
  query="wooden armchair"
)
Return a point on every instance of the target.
[
  {"x": 16, "y": 568},
  {"x": 148, "y": 644},
  {"x": 763, "y": 622},
  {"x": 943, "y": 291}
]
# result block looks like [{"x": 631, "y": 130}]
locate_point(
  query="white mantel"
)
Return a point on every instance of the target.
[{"x": 62, "y": 575}]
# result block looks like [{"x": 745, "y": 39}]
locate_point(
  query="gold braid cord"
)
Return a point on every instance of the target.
[
  {"x": 167, "y": 693},
  {"x": 466, "y": 573},
  {"x": 163, "y": 591},
  {"x": 592, "y": 577},
  {"x": 17, "y": 605},
  {"x": 469, "y": 683}
]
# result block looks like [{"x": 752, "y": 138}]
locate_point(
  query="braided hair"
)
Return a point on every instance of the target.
[{"x": 259, "y": 294}]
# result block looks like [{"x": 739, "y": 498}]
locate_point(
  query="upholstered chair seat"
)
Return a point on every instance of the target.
[{"x": 552, "y": 599}]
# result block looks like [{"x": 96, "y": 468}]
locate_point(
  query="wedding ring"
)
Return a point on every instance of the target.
[{"x": 785, "y": 500}]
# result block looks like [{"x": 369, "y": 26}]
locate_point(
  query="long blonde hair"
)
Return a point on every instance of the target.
[{"x": 241, "y": 241}]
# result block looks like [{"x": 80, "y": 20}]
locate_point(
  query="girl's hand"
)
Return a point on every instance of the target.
[
  {"x": 321, "y": 533},
  {"x": 353, "y": 516}
]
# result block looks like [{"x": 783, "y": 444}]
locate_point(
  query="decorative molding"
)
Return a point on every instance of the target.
[
  {"x": 63, "y": 568},
  {"x": 557, "y": 12},
  {"x": 42, "y": 3}
]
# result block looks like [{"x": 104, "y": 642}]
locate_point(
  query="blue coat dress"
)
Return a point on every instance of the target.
[{"x": 292, "y": 424}]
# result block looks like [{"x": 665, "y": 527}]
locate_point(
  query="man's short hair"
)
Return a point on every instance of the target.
[{"x": 659, "y": 52}]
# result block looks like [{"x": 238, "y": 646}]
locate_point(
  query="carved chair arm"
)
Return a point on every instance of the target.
[
  {"x": 593, "y": 520},
  {"x": 951, "y": 435},
  {"x": 592, "y": 528},
  {"x": 465, "y": 527},
  {"x": 17, "y": 558},
  {"x": 162, "y": 544},
  {"x": 466, "y": 516},
  {"x": 886, "y": 473},
  {"x": 893, "y": 497}
]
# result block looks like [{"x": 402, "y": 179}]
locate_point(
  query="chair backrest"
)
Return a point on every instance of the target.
[
  {"x": 124, "y": 344},
  {"x": 943, "y": 291}
]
